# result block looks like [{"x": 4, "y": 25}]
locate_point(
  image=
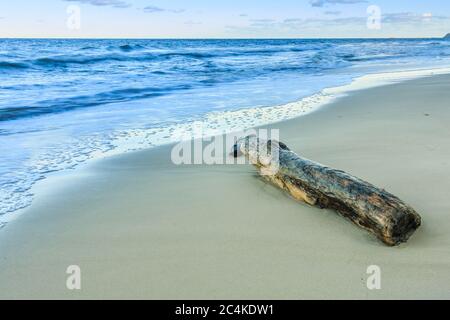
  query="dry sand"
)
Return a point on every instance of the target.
[{"x": 141, "y": 227}]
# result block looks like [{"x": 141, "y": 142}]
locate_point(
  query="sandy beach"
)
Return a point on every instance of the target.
[{"x": 141, "y": 227}]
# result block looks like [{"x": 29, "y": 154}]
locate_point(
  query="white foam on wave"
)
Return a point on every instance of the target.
[
  {"x": 215, "y": 123},
  {"x": 19, "y": 195}
]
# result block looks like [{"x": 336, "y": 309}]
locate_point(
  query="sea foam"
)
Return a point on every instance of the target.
[{"x": 18, "y": 194}]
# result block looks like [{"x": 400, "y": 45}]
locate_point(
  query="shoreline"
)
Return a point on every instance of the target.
[
  {"x": 136, "y": 140},
  {"x": 142, "y": 228}
]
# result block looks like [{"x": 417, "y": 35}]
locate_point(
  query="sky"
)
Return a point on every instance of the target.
[{"x": 223, "y": 18}]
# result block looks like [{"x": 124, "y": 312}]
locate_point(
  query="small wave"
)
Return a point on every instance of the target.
[
  {"x": 264, "y": 51},
  {"x": 347, "y": 56},
  {"x": 66, "y": 60},
  {"x": 194, "y": 55},
  {"x": 128, "y": 47},
  {"x": 13, "y": 65},
  {"x": 206, "y": 55},
  {"x": 61, "y": 61},
  {"x": 372, "y": 57},
  {"x": 325, "y": 61},
  {"x": 298, "y": 49},
  {"x": 286, "y": 68},
  {"x": 126, "y": 55},
  {"x": 71, "y": 103},
  {"x": 434, "y": 43}
]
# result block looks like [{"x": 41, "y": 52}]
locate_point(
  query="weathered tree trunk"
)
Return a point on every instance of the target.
[{"x": 369, "y": 207}]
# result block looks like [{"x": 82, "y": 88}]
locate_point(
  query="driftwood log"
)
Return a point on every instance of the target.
[{"x": 369, "y": 207}]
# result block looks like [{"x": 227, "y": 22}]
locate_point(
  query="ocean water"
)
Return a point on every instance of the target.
[{"x": 63, "y": 102}]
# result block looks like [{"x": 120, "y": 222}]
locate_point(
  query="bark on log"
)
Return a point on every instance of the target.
[{"x": 369, "y": 207}]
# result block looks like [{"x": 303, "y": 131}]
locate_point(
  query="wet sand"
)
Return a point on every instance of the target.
[{"x": 141, "y": 227}]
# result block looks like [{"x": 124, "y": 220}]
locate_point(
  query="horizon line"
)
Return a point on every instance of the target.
[{"x": 211, "y": 38}]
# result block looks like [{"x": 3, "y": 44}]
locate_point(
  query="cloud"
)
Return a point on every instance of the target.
[
  {"x": 111, "y": 3},
  {"x": 320, "y": 22},
  {"x": 409, "y": 17},
  {"x": 262, "y": 20},
  {"x": 293, "y": 20},
  {"x": 321, "y": 3},
  {"x": 151, "y": 9},
  {"x": 401, "y": 18},
  {"x": 154, "y": 9},
  {"x": 332, "y": 13},
  {"x": 349, "y": 25}
]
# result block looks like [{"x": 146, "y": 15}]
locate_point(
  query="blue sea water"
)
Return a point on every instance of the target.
[{"x": 64, "y": 101}]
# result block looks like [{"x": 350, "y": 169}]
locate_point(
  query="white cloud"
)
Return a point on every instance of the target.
[
  {"x": 409, "y": 17},
  {"x": 154, "y": 9},
  {"x": 393, "y": 24},
  {"x": 321, "y": 3},
  {"x": 111, "y": 3},
  {"x": 332, "y": 13}
]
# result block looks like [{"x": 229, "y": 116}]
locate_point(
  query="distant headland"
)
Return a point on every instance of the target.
[{"x": 447, "y": 36}]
